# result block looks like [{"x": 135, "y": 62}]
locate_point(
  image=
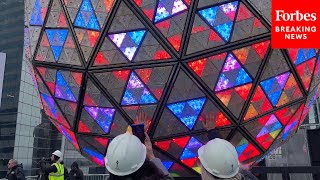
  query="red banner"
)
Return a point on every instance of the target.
[{"x": 295, "y": 24}]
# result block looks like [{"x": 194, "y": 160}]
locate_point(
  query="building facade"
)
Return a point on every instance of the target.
[
  {"x": 297, "y": 151},
  {"x": 11, "y": 43},
  {"x": 25, "y": 131},
  {"x": 24, "y": 134}
]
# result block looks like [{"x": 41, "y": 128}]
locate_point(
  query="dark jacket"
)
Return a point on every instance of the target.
[
  {"x": 16, "y": 173},
  {"x": 75, "y": 173},
  {"x": 66, "y": 174}
]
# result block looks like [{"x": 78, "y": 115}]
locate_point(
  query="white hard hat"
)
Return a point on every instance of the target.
[
  {"x": 125, "y": 155},
  {"x": 57, "y": 153},
  {"x": 219, "y": 158}
]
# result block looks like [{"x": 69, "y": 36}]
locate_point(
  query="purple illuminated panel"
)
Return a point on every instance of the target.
[{"x": 103, "y": 116}]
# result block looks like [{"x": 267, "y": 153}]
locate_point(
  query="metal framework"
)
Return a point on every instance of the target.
[
  {"x": 286, "y": 171},
  {"x": 179, "y": 63}
]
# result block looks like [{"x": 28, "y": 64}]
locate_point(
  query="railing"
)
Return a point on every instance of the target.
[
  {"x": 31, "y": 177},
  {"x": 286, "y": 171},
  {"x": 96, "y": 176},
  {"x": 86, "y": 177}
]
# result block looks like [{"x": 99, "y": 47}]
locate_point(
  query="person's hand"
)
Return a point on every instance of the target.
[
  {"x": 148, "y": 144},
  {"x": 141, "y": 118},
  {"x": 42, "y": 160},
  {"x": 209, "y": 121},
  {"x": 245, "y": 167}
]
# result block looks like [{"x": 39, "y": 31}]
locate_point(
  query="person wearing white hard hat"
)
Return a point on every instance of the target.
[
  {"x": 218, "y": 157},
  {"x": 56, "y": 171},
  {"x": 128, "y": 159},
  {"x": 219, "y": 160}
]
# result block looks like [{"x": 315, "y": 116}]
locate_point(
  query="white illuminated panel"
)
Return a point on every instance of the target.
[{"x": 2, "y": 68}]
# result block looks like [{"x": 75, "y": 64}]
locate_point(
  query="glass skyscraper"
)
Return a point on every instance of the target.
[
  {"x": 24, "y": 134},
  {"x": 25, "y": 131},
  {"x": 11, "y": 43}
]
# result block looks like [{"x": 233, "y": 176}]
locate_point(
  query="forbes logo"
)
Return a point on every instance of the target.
[{"x": 281, "y": 15}]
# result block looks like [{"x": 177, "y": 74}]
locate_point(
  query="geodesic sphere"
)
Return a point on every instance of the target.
[{"x": 98, "y": 62}]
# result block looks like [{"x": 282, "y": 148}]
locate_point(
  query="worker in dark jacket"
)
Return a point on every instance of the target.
[
  {"x": 129, "y": 159},
  {"x": 219, "y": 158},
  {"x": 75, "y": 172},
  {"x": 15, "y": 171}
]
